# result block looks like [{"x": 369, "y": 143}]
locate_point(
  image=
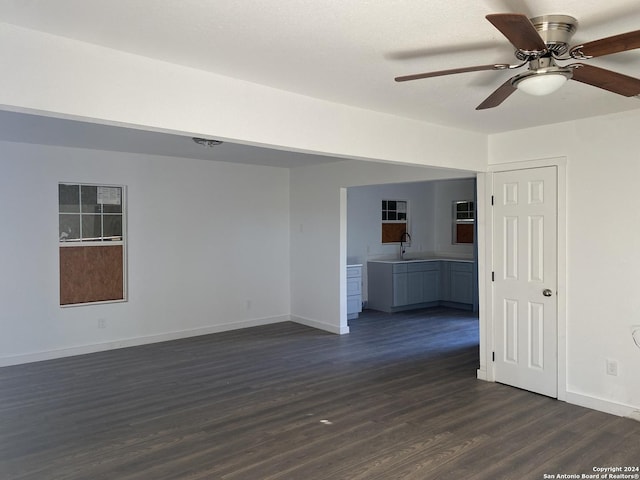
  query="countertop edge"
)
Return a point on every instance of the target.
[{"x": 416, "y": 260}]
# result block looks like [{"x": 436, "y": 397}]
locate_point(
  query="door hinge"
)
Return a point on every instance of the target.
[
  {"x": 493, "y": 276},
  {"x": 493, "y": 356},
  {"x": 491, "y": 199}
]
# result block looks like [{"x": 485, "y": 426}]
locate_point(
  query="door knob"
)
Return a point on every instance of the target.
[{"x": 547, "y": 292}]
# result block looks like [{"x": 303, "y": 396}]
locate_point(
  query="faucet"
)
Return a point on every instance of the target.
[{"x": 404, "y": 237}]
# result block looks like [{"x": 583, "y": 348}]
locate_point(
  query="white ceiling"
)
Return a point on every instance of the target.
[{"x": 349, "y": 51}]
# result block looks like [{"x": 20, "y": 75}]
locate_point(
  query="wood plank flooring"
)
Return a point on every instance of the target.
[{"x": 397, "y": 398}]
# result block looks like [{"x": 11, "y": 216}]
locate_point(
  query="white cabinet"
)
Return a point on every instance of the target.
[
  {"x": 397, "y": 286},
  {"x": 354, "y": 291},
  {"x": 457, "y": 283}
]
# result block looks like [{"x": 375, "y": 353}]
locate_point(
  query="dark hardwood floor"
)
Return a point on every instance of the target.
[{"x": 397, "y": 398}]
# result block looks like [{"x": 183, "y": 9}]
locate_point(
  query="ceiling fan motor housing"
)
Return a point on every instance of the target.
[{"x": 556, "y": 32}]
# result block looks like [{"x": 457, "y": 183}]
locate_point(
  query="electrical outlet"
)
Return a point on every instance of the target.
[
  {"x": 612, "y": 367},
  {"x": 102, "y": 323}
]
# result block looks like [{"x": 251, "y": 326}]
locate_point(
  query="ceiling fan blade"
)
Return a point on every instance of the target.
[
  {"x": 607, "y": 46},
  {"x": 498, "y": 96},
  {"x": 519, "y": 31},
  {"x": 606, "y": 79},
  {"x": 478, "y": 68}
]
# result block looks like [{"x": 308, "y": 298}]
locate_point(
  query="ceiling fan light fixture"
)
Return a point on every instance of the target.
[{"x": 541, "y": 83}]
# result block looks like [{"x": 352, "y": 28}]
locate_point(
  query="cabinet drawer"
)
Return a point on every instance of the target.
[
  {"x": 354, "y": 286},
  {"x": 461, "y": 267},
  {"x": 399, "y": 268},
  {"x": 422, "y": 266},
  {"x": 354, "y": 272}
]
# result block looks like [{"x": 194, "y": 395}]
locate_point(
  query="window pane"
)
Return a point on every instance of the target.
[
  {"x": 69, "y": 198},
  {"x": 91, "y": 226},
  {"x": 110, "y": 197},
  {"x": 402, "y": 216},
  {"x": 69, "y": 227},
  {"x": 111, "y": 208},
  {"x": 384, "y": 215},
  {"x": 401, "y": 206},
  {"x": 392, "y": 216},
  {"x": 112, "y": 225},
  {"x": 89, "y": 199},
  {"x": 384, "y": 204},
  {"x": 392, "y": 204}
]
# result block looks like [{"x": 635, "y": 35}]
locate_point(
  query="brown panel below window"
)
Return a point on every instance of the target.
[
  {"x": 392, "y": 232},
  {"x": 464, "y": 232},
  {"x": 91, "y": 274}
]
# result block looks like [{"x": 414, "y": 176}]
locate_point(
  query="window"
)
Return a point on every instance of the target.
[
  {"x": 89, "y": 213},
  {"x": 395, "y": 220},
  {"x": 464, "y": 217},
  {"x": 91, "y": 239}
]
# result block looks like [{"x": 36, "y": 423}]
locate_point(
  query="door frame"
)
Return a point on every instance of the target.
[{"x": 486, "y": 371}]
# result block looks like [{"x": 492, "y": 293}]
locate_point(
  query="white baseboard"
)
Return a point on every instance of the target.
[
  {"x": 133, "y": 342},
  {"x": 602, "y": 405},
  {"x": 587, "y": 401},
  {"x": 320, "y": 325}
]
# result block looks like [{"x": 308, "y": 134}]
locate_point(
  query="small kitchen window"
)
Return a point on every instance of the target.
[
  {"x": 395, "y": 220},
  {"x": 464, "y": 218}
]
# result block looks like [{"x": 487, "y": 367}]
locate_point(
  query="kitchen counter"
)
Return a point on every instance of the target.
[{"x": 427, "y": 259}]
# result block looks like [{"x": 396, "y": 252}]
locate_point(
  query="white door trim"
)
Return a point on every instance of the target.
[{"x": 485, "y": 266}]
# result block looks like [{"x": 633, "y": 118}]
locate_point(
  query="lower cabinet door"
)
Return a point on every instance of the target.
[
  {"x": 354, "y": 304},
  {"x": 461, "y": 286},
  {"x": 415, "y": 290},
  {"x": 431, "y": 286},
  {"x": 399, "y": 289}
]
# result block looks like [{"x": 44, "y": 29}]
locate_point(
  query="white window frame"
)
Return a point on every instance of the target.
[
  {"x": 462, "y": 221},
  {"x": 405, "y": 221},
  {"x": 101, "y": 241}
]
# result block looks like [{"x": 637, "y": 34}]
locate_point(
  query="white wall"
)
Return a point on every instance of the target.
[
  {"x": 64, "y": 77},
  {"x": 204, "y": 238},
  {"x": 318, "y": 246},
  {"x": 603, "y": 249}
]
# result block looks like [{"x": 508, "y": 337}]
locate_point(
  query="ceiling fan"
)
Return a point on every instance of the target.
[{"x": 541, "y": 41}]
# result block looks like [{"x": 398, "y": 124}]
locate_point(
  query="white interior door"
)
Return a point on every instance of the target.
[{"x": 525, "y": 279}]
